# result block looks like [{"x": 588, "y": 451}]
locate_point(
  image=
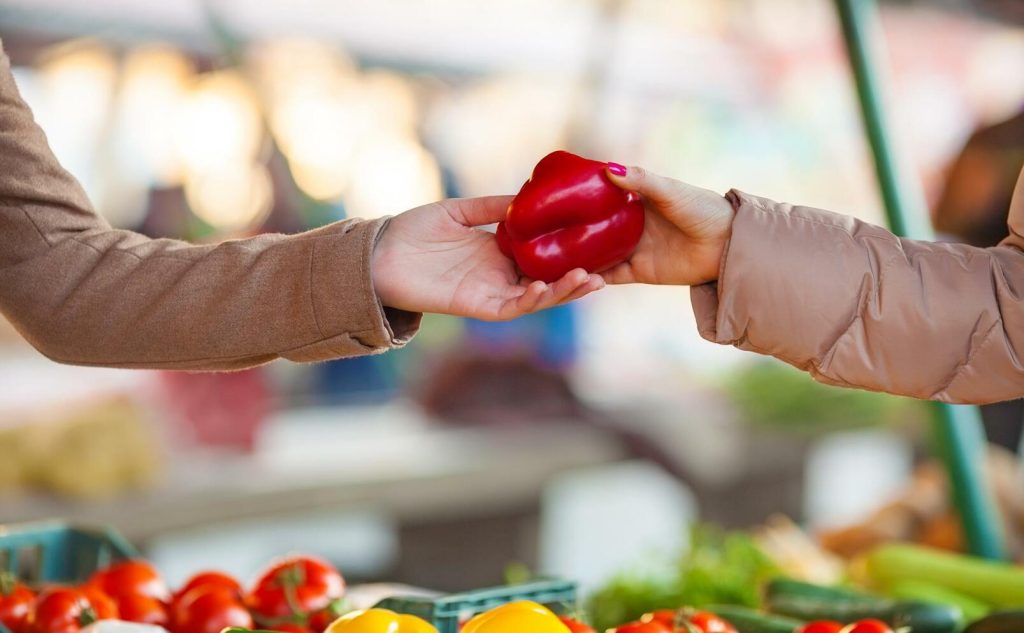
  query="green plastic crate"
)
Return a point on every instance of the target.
[
  {"x": 59, "y": 553},
  {"x": 446, "y": 612},
  {"x": 39, "y": 553}
]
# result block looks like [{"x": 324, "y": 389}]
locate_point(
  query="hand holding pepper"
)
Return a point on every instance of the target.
[
  {"x": 685, "y": 234},
  {"x": 434, "y": 259}
]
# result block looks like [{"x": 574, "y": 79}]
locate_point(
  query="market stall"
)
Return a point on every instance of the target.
[{"x": 470, "y": 447}]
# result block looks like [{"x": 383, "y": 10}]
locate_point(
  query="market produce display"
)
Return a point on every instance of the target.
[
  {"x": 724, "y": 584},
  {"x": 569, "y": 215},
  {"x": 300, "y": 594}
]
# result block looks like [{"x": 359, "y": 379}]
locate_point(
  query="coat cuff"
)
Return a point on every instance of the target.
[
  {"x": 348, "y": 312},
  {"x": 764, "y": 266}
]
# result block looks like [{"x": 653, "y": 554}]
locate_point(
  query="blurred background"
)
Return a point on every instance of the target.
[{"x": 574, "y": 442}]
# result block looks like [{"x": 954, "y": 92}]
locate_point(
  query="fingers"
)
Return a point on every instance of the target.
[
  {"x": 593, "y": 284},
  {"x": 621, "y": 274},
  {"x": 540, "y": 296},
  {"x": 531, "y": 298},
  {"x": 478, "y": 211},
  {"x": 658, "y": 189}
]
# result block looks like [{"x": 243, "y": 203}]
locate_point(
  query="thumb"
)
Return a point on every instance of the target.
[
  {"x": 478, "y": 211},
  {"x": 657, "y": 189}
]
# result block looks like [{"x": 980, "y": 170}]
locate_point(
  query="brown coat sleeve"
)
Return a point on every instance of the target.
[
  {"x": 84, "y": 293},
  {"x": 856, "y": 306}
]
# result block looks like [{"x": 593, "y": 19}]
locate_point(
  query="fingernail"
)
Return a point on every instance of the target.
[{"x": 617, "y": 169}]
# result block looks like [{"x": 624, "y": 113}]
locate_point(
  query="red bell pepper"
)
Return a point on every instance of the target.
[{"x": 570, "y": 215}]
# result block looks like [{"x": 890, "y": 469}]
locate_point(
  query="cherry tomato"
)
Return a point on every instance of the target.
[
  {"x": 652, "y": 626},
  {"x": 210, "y": 579},
  {"x": 704, "y": 621},
  {"x": 575, "y": 625},
  {"x": 199, "y": 584},
  {"x": 288, "y": 627},
  {"x": 131, "y": 577},
  {"x": 15, "y": 604},
  {"x": 822, "y": 626},
  {"x": 102, "y": 604},
  {"x": 867, "y": 626},
  {"x": 709, "y": 622},
  {"x": 138, "y": 608},
  {"x": 664, "y": 616},
  {"x": 62, "y": 610},
  {"x": 297, "y": 586},
  {"x": 210, "y": 610},
  {"x": 319, "y": 621}
]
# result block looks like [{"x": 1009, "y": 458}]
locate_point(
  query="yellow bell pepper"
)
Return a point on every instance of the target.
[
  {"x": 516, "y": 617},
  {"x": 379, "y": 621}
]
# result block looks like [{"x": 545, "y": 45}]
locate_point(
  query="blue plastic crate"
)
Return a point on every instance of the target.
[{"x": 446, "y": 612}]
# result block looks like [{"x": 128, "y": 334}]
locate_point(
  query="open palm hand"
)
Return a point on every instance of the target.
[{"x": 434, "y": 259}]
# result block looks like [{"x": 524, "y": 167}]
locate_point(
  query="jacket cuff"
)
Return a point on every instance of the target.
[
  {"x": 345, "y": 305},
  {"x": 770, "y": 260}
]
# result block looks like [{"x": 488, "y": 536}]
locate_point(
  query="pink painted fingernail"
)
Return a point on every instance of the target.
[{"x": 617, "y": 169}]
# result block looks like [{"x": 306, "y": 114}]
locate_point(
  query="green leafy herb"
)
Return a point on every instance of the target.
[{"x": 717, "y": 568}]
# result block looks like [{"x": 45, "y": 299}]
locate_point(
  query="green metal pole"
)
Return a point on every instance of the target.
[{"x": 958, "y": 430}]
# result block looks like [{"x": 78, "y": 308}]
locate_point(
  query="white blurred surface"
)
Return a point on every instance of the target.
[
  {"x": 850, "y": 474},
  {"x": 597, "y": 521}
]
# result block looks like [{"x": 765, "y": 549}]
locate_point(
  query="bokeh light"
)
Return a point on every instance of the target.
[
  {"x": 232, "y": 197},
  {"x": 218, "y": 123},
  {"x": 154, "y": 83},
  {"x": 390, "y": 175}
]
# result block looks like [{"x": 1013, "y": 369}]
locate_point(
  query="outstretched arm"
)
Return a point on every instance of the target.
[
  {"x": 84, "y": 293},
  {"x": 849, "y": 302}
]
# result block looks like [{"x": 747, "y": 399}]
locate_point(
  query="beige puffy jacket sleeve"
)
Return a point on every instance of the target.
[
  {"x": 84, "y": 293},
  {"x": 856, "y": 306}
]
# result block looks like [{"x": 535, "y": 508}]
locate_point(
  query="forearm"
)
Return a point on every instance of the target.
[
  {"x": 856, "y": 306},
  {"x": 114, "y": 298},
  {"x": 84, "y": 293}
]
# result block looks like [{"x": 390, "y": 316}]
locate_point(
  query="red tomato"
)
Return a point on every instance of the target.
[
  {"x": 709, "y": 622},
  {"x": 704, "y": 621},
  {"x": 15, "y": 605},
  {"x": 575, "y": 625},
  {"x": 131, "y": 577},
  {"x": 210, "y": 610},
  {"x": 298, "y": 586},
  {"x": 867, "y": 626},
  {"x": 138, "y": 608},
  {"x": 651, "y": 626},
  {"x": 288, "y": 627},
  {"x": 323, "y": 618},
  {"x": 210, "y": 579},
  {"x": 822, "y": 626},
  {"x": 320, "y": 620},
  {"x": 664, "y": 616},
  {"x": 62, "y": 610},
  {"x": 102, "y": 604}
]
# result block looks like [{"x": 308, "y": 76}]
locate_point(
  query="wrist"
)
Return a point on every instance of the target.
[
  {"x": 716, "y": 234},
  {"x": 380, "y": 275}
]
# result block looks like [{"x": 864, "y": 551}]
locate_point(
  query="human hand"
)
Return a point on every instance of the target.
[
  {"x": 685, "y": 231},
  {"x": 432, "y": 259}
]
